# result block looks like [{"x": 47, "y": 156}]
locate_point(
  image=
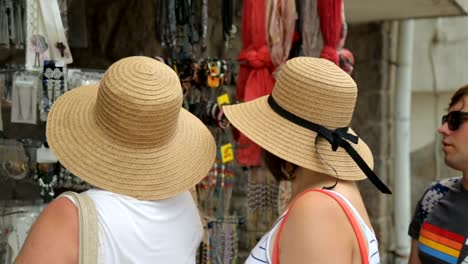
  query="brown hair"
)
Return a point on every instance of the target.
[
  {"x": 458, "y": 95},
  {"x": 277, "y": 167}
]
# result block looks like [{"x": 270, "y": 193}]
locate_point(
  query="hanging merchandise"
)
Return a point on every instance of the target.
[
  {"x": 284, "y": 195},
  {"x": 224, "y": 241},
  {"x": 37, "y": 49},
  {"x": 262, "y": 201},
  {"x": 3, "y": 87},
  {"x": 47, "y": 179},
  {"x": 55, "y": 32},
  {"x": 11, "y": 18},
  {"x": 204, "y": 25},
  {"x": 204, "y": 250},
  {"x": 46, "y": 38},
  {"x": 53, "y": 85},
  {"x": 225, "y": 179},
  {"x": 6, "y": 80},
  {"x": 39, "y": 46},
  {"x": 229, "y": 29},
  {"x": 11, "y": 23},
  {"x": 3, "y": 91},
  {"x": 215, "y": 190},
  {"x": 281, "y": 23},
  {"x": 4, "y": 32},
  {"x": 203, "y": 84},
  {"x": 63, "y": 7},
  {"x": 13, "y": 160},
  {"x": 67, "y": 181},
  {"x": 20, "y": 29},
  {"x": 255, "y": 75},
  {"x": 1, "y": 118},
  {"x": 215, "y": 76},
  {"x": 166, "y": 23},
  {"x": 182, "y": 48},
  {"x": 24, "y": 97},
  {"x": 311, "y": 36},
  {"x": 183, "y": 26},
  {"x": 220, "y": 243},
  {"x": 52, "y": 177},
  {"x": 330, "y": 24},
  {"x": 346, "y": 58}
]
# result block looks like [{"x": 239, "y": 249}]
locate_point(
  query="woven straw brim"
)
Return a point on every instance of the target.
[
  {"x": 294, "y": 143},
  {"x": 146, "y": 173}
]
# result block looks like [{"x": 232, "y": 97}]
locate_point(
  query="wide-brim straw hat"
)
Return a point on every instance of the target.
[
  {"x": 315, "y": 90},
  {"x": 129, "y": 134}
]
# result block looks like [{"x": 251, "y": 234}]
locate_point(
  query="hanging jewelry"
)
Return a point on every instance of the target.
[
  {"x": 47, "y": 179},
  {"x": 48, "y": 187},
  {"x": 54, "y": 86}
]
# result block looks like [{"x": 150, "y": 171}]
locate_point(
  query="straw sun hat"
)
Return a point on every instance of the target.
[
  {"x": 129, "y": 134},
  {"x": 310, "y": 96}
]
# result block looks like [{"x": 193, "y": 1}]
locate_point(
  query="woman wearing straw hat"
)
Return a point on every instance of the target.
[
  {"x": 303, "y": 126},
  {"x": 129, "y": 137}
]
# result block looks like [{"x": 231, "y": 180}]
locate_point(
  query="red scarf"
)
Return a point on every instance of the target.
[
  {"x": 255, "y": 74},
  {"x": 330, "y": 24}
]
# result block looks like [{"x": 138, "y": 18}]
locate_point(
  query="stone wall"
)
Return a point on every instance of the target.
[{"x": 372, "y": 120}]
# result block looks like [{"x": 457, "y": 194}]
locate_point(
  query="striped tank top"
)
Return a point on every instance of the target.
[{"x": 260, "y": 254}]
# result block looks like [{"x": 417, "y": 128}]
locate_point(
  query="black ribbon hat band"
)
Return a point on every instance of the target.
[{"x": 337, "y": 138}]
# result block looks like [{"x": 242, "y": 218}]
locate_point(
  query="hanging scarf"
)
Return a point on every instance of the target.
[
  {"x": 312, "y": 41},
  {"x": 255, "y": 77},
  {"x": 330, "y": 24},
  {"x": 281, "y": 31}
]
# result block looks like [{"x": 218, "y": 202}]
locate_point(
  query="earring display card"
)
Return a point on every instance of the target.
[
  {"x": 24, "y": 98},
  {"x": 54, "y": 85}
]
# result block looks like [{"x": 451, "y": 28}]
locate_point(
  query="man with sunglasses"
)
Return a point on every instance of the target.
[{"x": 439, "y": 229}]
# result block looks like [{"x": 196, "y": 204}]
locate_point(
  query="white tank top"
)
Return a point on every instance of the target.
[
  {"x": 260, "y": 254},
  {"x": 135, "y": 231}
]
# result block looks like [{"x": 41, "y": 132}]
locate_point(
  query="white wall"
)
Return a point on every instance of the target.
[
  {"x": 426, "y": 112},
  {"x": 441, "y": 47},
  {"x": 440, "y": 67}
]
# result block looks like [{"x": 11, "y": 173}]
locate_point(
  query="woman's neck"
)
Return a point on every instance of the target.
[{"x": 307, "y": 179}]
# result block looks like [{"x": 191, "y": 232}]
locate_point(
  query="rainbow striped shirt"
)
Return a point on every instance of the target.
[
  {"x": 440, "y": 223},
  {"x": 440, "y": 243}
]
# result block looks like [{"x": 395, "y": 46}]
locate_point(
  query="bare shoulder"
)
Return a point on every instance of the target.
[
  {"x": 319, "y": 209},
  {"x": 316, "y": 229},
  {"x": 54, "y": 236}
]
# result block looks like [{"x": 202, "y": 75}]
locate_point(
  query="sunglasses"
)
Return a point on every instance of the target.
[{"x": 454, "y": 119}]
